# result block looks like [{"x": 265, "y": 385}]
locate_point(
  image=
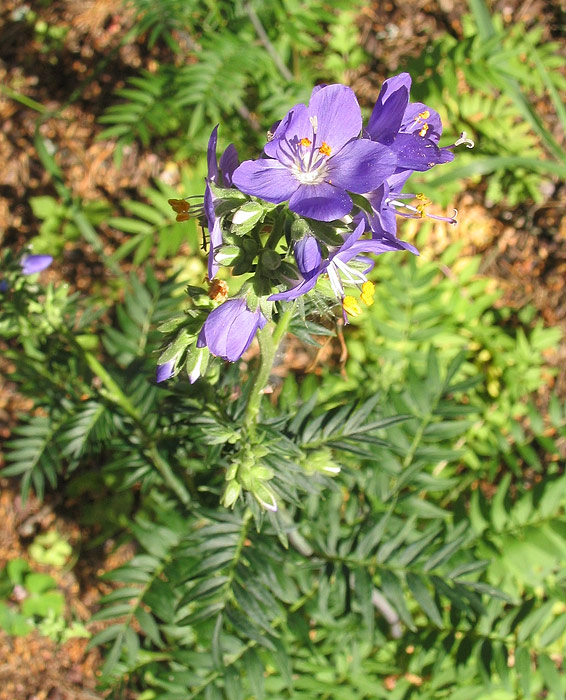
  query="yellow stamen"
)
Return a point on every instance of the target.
[
  {"x": 368, "y": 290},
  {"x": 423, "y": 115},
  {"x": 351, "y": 306},
  {"x": 305, "y": 142},
  {"x": 423, "y": 131},
  {"x": 424, "y": 203},
  {"x": 325, "y": 149}
]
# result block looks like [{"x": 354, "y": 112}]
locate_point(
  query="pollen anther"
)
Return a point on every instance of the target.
[
  {"x": 218, "y": 290},
  {"x": 305, "y": 142},
  {"x": 179, "y": 205},
  {"x": 325, "y": 149},
  {"x": 351, "y": 306},
  {"x": 421, "y": 116},
  {"x": 423, "y": 131},
  {"x": 368, "y": 290}
]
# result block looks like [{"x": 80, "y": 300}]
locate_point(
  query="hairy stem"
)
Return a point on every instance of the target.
[
  {"x": 268, "y": 344},
  {"x": 271, "y": 50}
]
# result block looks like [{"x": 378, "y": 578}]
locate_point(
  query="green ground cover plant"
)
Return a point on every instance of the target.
[
  {"x": 400, "y": 551},
  {"x": 30, "y": 600}
]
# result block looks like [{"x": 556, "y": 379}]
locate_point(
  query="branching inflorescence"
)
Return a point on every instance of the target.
[{"x": 325, "y": 193}]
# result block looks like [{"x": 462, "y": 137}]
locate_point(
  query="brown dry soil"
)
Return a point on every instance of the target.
[{"x": 524, "y": 250}]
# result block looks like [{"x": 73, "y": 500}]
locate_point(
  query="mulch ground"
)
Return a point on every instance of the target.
[{"x": 75, "y": 79}]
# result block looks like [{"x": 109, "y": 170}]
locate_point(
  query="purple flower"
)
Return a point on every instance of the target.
[
  {"x": 31, "y": 264},
  {"x": 388, "y": 202},
  {"x": 311, "y": 264},
  {"x": 221, "y": 175},
  {"x": 410, "y": 130},
  {"x": 384, "y": 220},
  {"x": 230, "y": 328},
  {"x": 164, "y": 371},
  {"x": 315, "y": 158}
]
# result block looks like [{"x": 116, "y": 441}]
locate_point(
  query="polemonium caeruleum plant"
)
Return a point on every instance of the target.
[{"x": 325, "y": 194}]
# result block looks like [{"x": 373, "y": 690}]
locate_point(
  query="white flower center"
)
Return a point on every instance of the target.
[{"x": 310, "y": 177}]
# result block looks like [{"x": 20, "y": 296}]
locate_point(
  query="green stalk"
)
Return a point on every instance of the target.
[
  {"x": 271, "y": 50},
  {"x": 115, "y": 394},
  {"x": 276, "y": 233},
  {"x": 268, "y": 344},
  {"x": 23, "y": 99}
]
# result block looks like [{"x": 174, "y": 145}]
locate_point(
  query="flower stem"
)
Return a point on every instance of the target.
[
  {"x": 271, "y": 50},
  {"x": 268, "y": 344},
  {"x": 115, "y": 394}
]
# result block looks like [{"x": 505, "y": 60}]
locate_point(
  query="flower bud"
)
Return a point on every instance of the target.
[
  {"x": 231, "y": 494},
  {"x": 270, "y": 260},
  {"x": 264, "y": 496},
  {"x": 250, "y": 246},
  {"x": 299, "y": 229},
  {"x": 197, "y": 363},
  {"x": 226, "y": 254}
]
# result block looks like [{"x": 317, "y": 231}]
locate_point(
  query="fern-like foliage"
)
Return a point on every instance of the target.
[
  {"x": 243, "y": 64},
  {"x": 150, "y": 225},
  {"x": 486, "y": 89},
  {"x": 424, "y": 305},
  {"x": 33, "y": 455},
  {"x": 379, "y": 566},
  {"x": 390, "y": 563}
]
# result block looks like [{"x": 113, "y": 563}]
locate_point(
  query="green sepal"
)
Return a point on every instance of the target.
[
  {"x": 231, "y": 494},
  {"x": 232, "y": 471},
  {"x": 321, "y": 230},
  {"x": 261, "y": 285},
  {"x": 227, "y": 193},
  {"x": 266, "y": 307},
  {"x": 266, "y": 206},
  {"x": 262, "y": 473},
  {"x": 252, "y": 300},
  {"x": 362, "y": 203},
  {"x": 242, "y": 265},
  {"x": 326, "y": 233},
  {"x": 226, "y": 255},
  {"x": 250, "y": 213},
  {"x": 172, "y": 324},
  {"x": 300, "y": 228},
  {"x": 263, "y": 495},
  {"x": 270, "y": 260},
  {"x": 174, "y": 349},
  {"x": 250, "y": 246},
  {"x": 287, "y": 272},
  {"x": 224, "y": 207},
  {"x": 198, "y": 357}
]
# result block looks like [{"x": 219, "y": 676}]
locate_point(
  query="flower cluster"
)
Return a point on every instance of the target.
[{"x": 325, "y": 193}]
